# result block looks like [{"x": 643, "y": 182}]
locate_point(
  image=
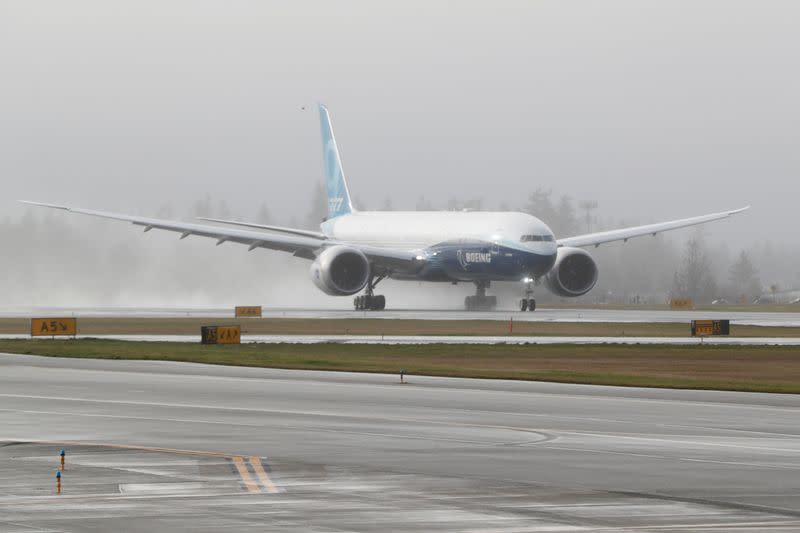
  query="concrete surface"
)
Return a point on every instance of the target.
[
  {"x": 540, "y": 315},
  {"x": 152, "y": 446}
]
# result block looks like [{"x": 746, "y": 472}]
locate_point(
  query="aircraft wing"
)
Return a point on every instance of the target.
[
  {"x": 596, "y": 239},
  {"x": 305, "y": 246}
]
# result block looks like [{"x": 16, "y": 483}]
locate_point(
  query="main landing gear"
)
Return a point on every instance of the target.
[
  {"x": 370, "y": 301},
  {"x": 480, "y": 302},
  {"x": 528, "y": 303}
]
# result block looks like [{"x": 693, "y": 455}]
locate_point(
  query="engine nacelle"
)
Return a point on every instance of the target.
[
  {"x": 573, "y": 274},
  {"x": 340, "y": 271}
]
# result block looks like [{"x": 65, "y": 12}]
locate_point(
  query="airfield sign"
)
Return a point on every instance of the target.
[
  {"x": 253, "y": 311},
  {"x": 709, "y": 328},
  {"x": 51, "y": 327},
  {"x": 221, "y": 335}
]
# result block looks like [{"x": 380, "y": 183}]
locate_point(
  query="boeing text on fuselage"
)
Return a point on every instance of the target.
[{"x": 465, "y": 258}]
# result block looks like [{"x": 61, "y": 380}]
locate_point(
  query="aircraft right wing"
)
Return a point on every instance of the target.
[
  {"x": 304, "y": 245},
  {"x": 596, "y": 239}
]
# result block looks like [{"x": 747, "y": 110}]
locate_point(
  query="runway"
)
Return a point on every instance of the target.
[
  {"x": 361, "y": 452},
  {"x": 450, "y": 339},
  {"x": 540, "y": 315}
]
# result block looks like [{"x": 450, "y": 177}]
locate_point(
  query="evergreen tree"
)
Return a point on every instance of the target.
[
  {"x": 263, "y": 216},
  {"x": 561, "y": 218},
  {"x": 541, "y": 206},
  {"x": 202, "y": 208},
  {"x": 223, "y": 212},
  {"x": 744, "y": 278},
  {"x": 423, "y": 204},
  {"x": 694, "y": 280},
  {"x": 567, "y": 221},
  {"x": 319, "y": 208}
]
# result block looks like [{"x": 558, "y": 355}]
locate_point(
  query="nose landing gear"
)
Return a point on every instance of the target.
[
  {"x": 370, "y": 301},
  {"x": 528, "y": 303}
]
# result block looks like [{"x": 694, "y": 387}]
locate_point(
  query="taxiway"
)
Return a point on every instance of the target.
[{"x": 155, "y": 447}]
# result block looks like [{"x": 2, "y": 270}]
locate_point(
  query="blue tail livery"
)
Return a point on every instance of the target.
[{"x": 338, "y": 195}]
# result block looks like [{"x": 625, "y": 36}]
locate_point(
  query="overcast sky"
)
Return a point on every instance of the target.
[{"x": 657, "y": 110}]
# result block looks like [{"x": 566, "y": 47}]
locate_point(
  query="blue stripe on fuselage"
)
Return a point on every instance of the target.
[{"x": 480, "y": 260}]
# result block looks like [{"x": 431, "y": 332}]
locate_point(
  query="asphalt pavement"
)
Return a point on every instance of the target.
[{"x": 160, "y": 446}]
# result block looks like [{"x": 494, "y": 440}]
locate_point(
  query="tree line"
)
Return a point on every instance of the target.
[{"x": 42, "y": 246}]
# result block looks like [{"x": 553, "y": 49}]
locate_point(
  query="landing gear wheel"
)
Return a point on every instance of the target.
[
  {"x": 370, "y": 302},
  {"x": 480, "y": 303},
  {"x": 528, "y": 303}
]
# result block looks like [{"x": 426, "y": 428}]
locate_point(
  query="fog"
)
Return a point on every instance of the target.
[{"x": 654, "y": 110}]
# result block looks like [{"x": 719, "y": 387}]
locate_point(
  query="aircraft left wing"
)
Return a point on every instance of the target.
[
  {"x": 596, "y": 239},
  {"x": 305, "y": 246}
]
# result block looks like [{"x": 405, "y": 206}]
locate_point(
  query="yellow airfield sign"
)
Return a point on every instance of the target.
[
  {"x": 51, "y": 327},
  {"x": 252, "y": 311},
  {"x": 221, "y": 335},
  {"x": 681, "y": 303},
  {"x": 709, "y": 328}
]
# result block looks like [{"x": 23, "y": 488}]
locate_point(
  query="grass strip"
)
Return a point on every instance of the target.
[{"x": 738, "y": 368}]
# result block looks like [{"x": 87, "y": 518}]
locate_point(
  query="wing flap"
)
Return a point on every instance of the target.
[{"x": 268, "y": 227}]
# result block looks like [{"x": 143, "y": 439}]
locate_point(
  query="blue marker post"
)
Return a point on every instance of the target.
[
  {"x": 62, "y": 458},
  {"x": 58, "y": 482}
]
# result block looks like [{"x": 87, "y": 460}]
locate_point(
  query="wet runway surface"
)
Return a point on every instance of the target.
[
  {"x": 540, "y": 315},
  {"x": 177, "y": 446}
]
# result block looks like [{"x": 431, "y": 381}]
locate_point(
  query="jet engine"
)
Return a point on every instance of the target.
[
  {"x": 340, "y": 271},
  {"x": 573, "y": 274}
]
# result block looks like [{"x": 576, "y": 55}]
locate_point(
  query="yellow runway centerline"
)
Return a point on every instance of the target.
[
  {"x": 262, "y": 475},
  {"x": 251, "y": 485}
]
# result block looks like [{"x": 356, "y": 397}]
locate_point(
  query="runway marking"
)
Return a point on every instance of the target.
[
  {"x": 251, "y": 485},
  {"x": 422, "y": 379},
  {"x": 546, "y": 438},
  {"x": 545, "y": 435},
  {"x": 237, "y": 460},
  {"x": 673, "y": 458},
  {"x": 262, "y": 475},
  {"x": 685, "y": 442}
]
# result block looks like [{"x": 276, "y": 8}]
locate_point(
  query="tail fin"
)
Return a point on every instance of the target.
[{"x": 338, "y": 194}]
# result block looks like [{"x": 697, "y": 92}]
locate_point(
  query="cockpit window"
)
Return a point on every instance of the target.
[{"x": 537, "y": 238}]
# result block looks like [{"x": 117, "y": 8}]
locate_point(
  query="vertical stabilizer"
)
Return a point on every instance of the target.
[{"x": 338, "y": 195}]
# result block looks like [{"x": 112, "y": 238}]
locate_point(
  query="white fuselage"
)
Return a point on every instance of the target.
[{"x": 421, "y": 229}]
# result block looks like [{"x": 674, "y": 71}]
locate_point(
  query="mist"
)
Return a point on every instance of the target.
[{"x": 653, "y": 110}]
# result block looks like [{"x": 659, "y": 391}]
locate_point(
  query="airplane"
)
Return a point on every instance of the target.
[{"x": 355, "y": 250}]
